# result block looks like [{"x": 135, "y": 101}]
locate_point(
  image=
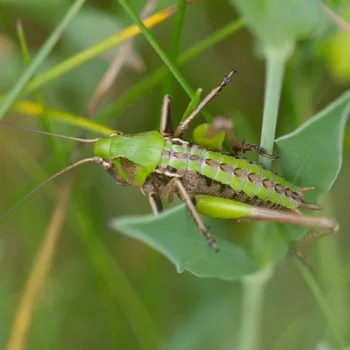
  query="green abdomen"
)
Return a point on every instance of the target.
[{"x": 245, "y": 179}]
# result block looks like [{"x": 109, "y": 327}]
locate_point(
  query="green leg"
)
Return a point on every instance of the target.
[
  {"x": 175, "y": 186},
  {"x": 229, "y": 209}
]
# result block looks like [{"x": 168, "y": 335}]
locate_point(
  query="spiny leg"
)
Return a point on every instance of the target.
[
  {"x": 170, "y": 189},
  {"x": 326, "y": 225},
  {"x": 166, "y": 128},
  {"x": 244, "y": 147},
  {"x": 224, "y": 208},
  {"x": 295, "y": 246},
  {"x": 225, "y": 124},
  {"x": 184, "y": 125},
  {"x": 310, "y": 237},
  {"x": 155, "y": 203}
]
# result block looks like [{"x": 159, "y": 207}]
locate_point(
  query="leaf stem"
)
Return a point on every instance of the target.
[
  {"x": 276, "y": 59},
  {"x": 254, "y": 285},
  {"x": 161, "y": 53},
  {"x": 253, "y": 293}
]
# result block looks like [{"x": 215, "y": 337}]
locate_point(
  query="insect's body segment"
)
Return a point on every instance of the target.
[{"x": 228, "y": 176}]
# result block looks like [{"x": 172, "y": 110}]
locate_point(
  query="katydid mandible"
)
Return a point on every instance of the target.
[{"x": 208, "y": 180}]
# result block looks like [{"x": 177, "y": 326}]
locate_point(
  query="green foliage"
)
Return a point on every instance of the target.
[
  {"x": 174, "y": 234},
  {"x": 193, "y": 104},
  {"x": 312, "y": 155},
  {"x": 105, "y": 289},
  {"x": 42, "y": 54},
  {"x": 303, "y": 154},
  {"x": 277, "y": 21}
]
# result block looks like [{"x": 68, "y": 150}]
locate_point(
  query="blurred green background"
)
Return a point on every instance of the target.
[{"x": 105, "y": 290}]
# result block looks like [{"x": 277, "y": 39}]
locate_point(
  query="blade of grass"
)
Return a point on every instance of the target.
[
  {"x": 35, "y": 110},
  {"x": 175, "y": 44},
  {"x": 161, "y": 53},
  {"x": 54, "y": 141},
  {"x": 38, "y": 274},
  {"x": 321, "y": 301},
  {"x": 95, "y": 50},
  {"x": 157, "y": 76},
  {"x": 340, "y": 22},
  {"x": 130, "y": 96},
  {"x": 276, "y": 58},
  {"x": 124, "y": 55},
  {"x": 116, "y": 282},
  {"x": 40, "y": 57},
  {"x": 5, "y": 19}
]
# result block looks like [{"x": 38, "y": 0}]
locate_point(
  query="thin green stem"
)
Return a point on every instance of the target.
[
  {"x": 276, "y": 59},
  {"x": 156, "y": 77},
  {"x": 94, "y": 51},
  {"x": 161, "y": 53},
  {"x": 321, "y": 301},
  {"x": 23, "y": 43},
  {"x": 54, "y": 141},
  {"x": 253, "y": 294},
  {"x": 168, "y": 62},
  {"x": 116, "y": 283},
  {"x": 253, "y": 286},
  {"x": 40, "y": 57},
  {"x": 175, "y": 43},
  {"x": 5, "y": 19},
  {"x": 316, "y": 291}
]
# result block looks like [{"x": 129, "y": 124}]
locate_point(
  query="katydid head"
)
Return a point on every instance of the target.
[
  {"x": 142, "y": 150},
  {"x": 128, "y": 158}
]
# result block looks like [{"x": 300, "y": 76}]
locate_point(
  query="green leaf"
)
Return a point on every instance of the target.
[
  {"x": 312, "y": 154},
  {"x": 278, "y": 21},
  {"x": 193, "y": 104},
  {"x": 174, "y": 234}
]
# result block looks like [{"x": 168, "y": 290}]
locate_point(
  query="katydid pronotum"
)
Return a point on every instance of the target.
[{"x": 208, "y": 180}]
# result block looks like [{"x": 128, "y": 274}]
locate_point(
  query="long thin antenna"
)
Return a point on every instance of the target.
[
  {"x": 79, "y": 162},
  {"x": 49, "y": 133}
]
